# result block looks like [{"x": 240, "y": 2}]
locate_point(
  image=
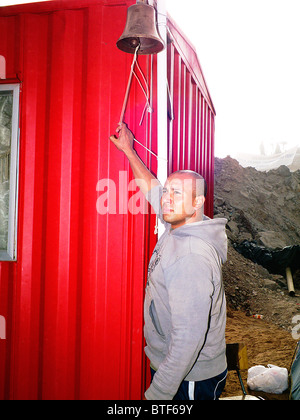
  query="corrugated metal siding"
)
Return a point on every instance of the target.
[
  {"x": 191, "y": 114},
  {"x": 73, "y": 301}
]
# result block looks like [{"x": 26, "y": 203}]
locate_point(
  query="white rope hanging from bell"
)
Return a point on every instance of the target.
[{"x": 145, "y": 92}]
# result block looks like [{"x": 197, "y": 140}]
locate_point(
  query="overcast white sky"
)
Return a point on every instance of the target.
[{"x": 249, "y": 53}]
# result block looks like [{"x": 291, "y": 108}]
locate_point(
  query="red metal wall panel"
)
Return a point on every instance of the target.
[
  {"x": 73, "y": 301},
  {"x": 191, "y": 121}
]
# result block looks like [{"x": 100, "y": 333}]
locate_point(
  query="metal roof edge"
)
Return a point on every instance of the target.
[{"x": 190, "y": 57}]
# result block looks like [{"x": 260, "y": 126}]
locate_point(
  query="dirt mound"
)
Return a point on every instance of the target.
[
  {"x": 260, "y": 206},
  {"x": 264, "y": 208},
  {"x": 253, "y": 290}
]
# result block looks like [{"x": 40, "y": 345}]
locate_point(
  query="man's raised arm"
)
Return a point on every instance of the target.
[{"x": 124, "y": 142}]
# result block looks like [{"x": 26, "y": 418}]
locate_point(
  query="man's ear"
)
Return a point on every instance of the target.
[{"x": 199, "y": 202}]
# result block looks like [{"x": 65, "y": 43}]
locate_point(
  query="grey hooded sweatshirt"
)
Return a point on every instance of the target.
[{"x": 185, "y": 307}]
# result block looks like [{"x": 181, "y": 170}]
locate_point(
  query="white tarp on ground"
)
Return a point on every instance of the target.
[{"x": 290, "y": 158}]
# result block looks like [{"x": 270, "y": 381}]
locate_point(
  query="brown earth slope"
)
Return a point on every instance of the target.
[{"x": 260, "y": 207}]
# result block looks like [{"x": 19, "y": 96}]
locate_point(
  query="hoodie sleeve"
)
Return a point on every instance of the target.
[{"x": 190, "y": 290}]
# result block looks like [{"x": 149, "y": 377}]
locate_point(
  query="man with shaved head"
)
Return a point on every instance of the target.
[{"x": 185, "y": 306}]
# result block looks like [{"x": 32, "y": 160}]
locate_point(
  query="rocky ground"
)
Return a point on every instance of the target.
[
  {"x": 252, "y": 290},
  {"x": 261, "y": 207}
]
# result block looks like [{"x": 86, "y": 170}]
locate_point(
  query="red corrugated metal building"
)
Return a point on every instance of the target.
[{"x": 72, "y": 300}]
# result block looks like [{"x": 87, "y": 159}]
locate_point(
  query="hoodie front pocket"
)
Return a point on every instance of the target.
[{"x": 154, "y": 318}]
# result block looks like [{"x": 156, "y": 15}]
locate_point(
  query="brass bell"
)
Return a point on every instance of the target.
[{"x": 141, "y": 30}]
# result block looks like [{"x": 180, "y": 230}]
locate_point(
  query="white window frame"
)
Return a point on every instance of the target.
[{"x": 10, "y": 254}]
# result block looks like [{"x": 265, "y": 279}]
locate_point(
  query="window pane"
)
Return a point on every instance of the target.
[{"x": 6, "y": 113}]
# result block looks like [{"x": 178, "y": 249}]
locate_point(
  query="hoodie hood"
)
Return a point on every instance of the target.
[{"x": 212, "y": 231}]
